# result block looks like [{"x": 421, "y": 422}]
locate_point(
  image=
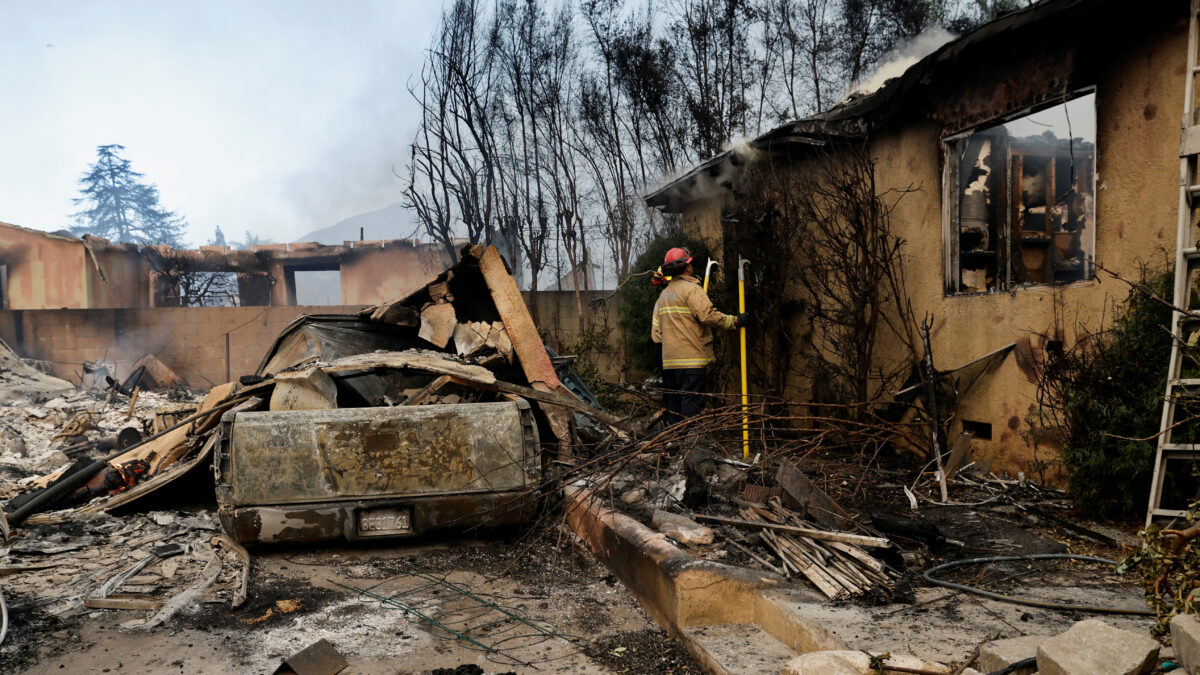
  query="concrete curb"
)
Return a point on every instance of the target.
[{"x": 678, "y": 590}]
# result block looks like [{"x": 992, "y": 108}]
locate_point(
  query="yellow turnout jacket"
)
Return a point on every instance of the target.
[{"x": 683, "y": 322}]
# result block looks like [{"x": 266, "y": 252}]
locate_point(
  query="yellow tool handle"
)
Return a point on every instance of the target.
[{"x": 742, "y": 340}]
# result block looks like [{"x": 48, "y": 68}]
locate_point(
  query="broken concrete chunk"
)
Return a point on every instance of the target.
[
  {"x": 438, "y": 323},
  {"x": 682, "y": 529},
  {"x": 633, "y": 497},
  {"x": 850, "y": 662},
  {"x": 469, "y": 337},
  {"x": 500, "y": 340},
  {"x": 1000, "y": 654},
  {"x": 309, "y": 389},
  {"x": 1092, "y": 646},
  {"x": 168, "y": 568},
  {"x": 440, "y": 291},
  {"x": 1185, "y": 638}
]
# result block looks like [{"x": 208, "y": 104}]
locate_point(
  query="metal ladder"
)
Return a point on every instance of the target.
[{"x": 1187, "y": 264}]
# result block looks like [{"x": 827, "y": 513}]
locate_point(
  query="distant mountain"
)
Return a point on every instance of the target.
[{"x": 390, "y": 222}]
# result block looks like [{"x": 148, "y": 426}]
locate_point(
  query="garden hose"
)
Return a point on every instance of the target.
[
  {"x": 1014, "y": 667},
  {"x": 1028, "y": 602},
  {"x": 3, "y": 619}
]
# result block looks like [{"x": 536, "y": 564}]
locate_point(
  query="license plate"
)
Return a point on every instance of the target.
[{"x": 380, "y": 522}]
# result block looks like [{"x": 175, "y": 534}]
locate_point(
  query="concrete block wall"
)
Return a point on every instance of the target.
[
  {"x": 565, "y": 329},
  {"x": 204, "y": 345},
  {"x": 211, "y": 345}
]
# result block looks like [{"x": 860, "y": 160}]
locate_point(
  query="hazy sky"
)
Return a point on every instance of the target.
[{"x": 273, "y": 117}]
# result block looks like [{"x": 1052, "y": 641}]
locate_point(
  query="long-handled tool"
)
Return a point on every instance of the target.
[
  {"x": 742, "y": 262},
  {"x": 708, "y": 272}
]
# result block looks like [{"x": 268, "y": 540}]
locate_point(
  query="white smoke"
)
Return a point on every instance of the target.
[
  {"x": 900, "y": 59},
  {"x": 719, "y": 180}
]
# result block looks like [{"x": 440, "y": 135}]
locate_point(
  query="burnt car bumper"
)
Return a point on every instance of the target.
[{"x": 370, "y": 473}]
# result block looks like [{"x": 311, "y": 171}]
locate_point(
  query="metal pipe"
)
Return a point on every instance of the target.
[
  {"x": 742, "y": 262},
  {"x": 708, "y": 272}
]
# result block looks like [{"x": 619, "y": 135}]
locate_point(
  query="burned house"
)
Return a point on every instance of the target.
[
  {"x": 1022, "y": 160},
  {"x": 209, "y": 313},
  {"x": 41, "y": 270}
]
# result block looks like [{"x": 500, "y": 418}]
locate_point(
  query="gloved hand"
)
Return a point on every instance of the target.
[
  {"x": 742, "y": 320},
  {"x": 657, "y": 355}
]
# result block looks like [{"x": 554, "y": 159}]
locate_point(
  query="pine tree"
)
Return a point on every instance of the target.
[
  {"x": 218, "y": 238},
  {"x": 120, "y": 207}
]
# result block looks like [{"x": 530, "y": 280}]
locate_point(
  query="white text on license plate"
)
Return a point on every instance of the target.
[{"x": 375, "y": 522}]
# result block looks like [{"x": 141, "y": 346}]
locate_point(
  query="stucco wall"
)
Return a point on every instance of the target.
[
  {"x": 377, "y": 274},
  {"x": 46, "y": 271},
  {"x": 126, "y": 281},
  {"x": 29, "y": 256},
  {"x": 1139, "y": 89},
  {"x": 702, "y": 220}
]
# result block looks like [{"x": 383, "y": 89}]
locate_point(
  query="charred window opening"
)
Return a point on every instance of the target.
[
  {"x": 1022, "y": 200},
  {"x": 318, "y": 286},
  {"x": 208, "y": 289}
]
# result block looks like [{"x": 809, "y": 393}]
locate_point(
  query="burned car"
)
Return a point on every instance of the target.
[
  {"x": 363, "y": 472},
  {"x": 369, "y": 432}
]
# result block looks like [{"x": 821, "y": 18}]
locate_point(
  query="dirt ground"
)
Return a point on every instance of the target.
[{"x": 516, "y": 607}]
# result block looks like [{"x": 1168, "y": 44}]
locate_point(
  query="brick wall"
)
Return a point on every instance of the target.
[
  {"x": 210, "y": 345},
  {"x": 204, "y": 345}
]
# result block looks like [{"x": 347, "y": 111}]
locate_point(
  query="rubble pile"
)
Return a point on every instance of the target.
[
  {"x": 431, "y": 411},
  {"x": 20, "y": 380},
  {"x": 34, "y": 439},
  {"x": 137, "y": 562}
]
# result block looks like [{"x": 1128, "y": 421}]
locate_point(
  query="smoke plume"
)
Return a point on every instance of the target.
[{"x": 894, "y": 63}]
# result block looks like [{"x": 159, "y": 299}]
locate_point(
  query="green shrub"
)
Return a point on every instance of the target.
[
  {"x": 1103, "y": 392},
  {"x": 638, "y": 296}
]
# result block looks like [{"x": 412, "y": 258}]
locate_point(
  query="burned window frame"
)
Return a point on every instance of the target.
[{"x": 1008, "y": 258}]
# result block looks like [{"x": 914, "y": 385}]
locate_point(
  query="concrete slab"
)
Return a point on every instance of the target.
[
  {"x": 739, "y": 649},
  {"x": 851, "y": 662},
  {"x": 949, "y": 630},
  {"x": 681, "y": 528},
  {"x": 1093, "y": 647},
  {"x": 999, "y": 654},
  {"x": 1185, "y": 638}
]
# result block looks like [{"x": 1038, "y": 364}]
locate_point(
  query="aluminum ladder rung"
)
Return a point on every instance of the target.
[
  {"x": 1187, "y": 261},
  {"x": 1180, "y": 450}
]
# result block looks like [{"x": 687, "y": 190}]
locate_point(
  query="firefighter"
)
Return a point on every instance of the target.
[{"x": 682, "y": 329}]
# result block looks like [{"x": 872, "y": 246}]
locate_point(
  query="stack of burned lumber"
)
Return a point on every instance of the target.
[{"x": 835, "y": 562}]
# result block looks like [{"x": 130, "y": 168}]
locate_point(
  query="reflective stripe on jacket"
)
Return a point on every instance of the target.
[{"x": 683, "y": 321}]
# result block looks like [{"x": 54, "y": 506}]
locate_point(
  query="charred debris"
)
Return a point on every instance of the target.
[{"x": 444, "y": 411}]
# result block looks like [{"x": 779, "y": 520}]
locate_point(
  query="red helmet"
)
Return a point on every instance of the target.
[{"x": 678, "y": 255}]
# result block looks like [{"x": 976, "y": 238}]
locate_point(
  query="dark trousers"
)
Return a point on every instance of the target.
[{"x": 685, "y": 392}]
